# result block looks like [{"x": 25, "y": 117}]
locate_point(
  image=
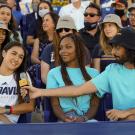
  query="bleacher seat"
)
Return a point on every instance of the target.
[
  {"x": 48, "y": 112},
  {"x": 25, "y": 118},
  {"x": 105, "y": 104}
]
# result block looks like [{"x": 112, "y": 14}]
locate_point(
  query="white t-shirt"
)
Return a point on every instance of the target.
[
  {"x": 76, "y": 14},
  {"x": 8, "y": 94}
]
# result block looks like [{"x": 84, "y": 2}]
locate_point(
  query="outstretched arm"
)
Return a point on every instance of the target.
[{"x": 68, "y": 91}]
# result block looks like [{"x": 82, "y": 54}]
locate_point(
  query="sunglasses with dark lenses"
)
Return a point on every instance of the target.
[
  {"x": 90, "y": 14},
  {"x": 65, "y": 29}
]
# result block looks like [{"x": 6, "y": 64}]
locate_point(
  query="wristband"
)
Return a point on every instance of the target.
[
  {"x": 7, "y": 109},
  {"x": 11, "y": 109}
]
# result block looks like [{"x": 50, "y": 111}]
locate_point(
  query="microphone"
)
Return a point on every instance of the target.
[{"x": 24, "y": 82}]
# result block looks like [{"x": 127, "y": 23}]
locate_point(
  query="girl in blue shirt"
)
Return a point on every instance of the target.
[{"x": 72, "y": 71}]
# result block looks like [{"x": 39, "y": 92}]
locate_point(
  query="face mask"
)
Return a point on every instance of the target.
[
  {"x": 90, "y": 26},
  {"x": 34, "y": 7},
  {"x": 73, "y": 1},
  {"x": 120, "y": 13},
  {"x": 42, "y": 12}
]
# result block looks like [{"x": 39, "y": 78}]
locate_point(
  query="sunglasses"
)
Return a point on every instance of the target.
[
  {"x": 61, "y": 30},
  {"x": 90, "y": 14}
]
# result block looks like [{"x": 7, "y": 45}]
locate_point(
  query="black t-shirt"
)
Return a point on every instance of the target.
[
  {"x": 105, "y": 60},
  {"x": 89, "y": 40}
]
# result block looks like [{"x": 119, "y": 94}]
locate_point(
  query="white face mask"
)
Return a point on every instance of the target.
[
  {"x": 73, "y": 1},
  {"x": 42, "y": 12}
]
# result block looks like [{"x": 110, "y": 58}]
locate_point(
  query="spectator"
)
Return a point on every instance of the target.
[
  {"x": 49, "y": 58},
  {"x": 131, "y": 15},
  {"x": 36, "y": 24},
  {"x": 7, "y": 17},
  {"x": 74, "y": 9},
  {"x": 12, "y": 63},
  {"x": 15, "y": 11},
  {"x": 72, "y": 71},
  {"x": 102, "y": 57},
  {"x": 45, "y": 37},
  {"x": 118, "y": 79},
  {"x": 121, "y": 10},
  {"x": 90, "y": 32},
  {"x": 50, "y": 55},
  {"x": 4, "y": 35},
  {"x": 26, "y": 23}
]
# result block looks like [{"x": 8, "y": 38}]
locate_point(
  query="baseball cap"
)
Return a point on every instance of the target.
[
  {"x": 66, "y": 22},
  {"x": 132, "y": 6},
  {"x": 120, "y": 1},
  {"x": 113, "y": 18},
  {"x": 125, "y": 38},
  {"x": 3, "y": 26}
]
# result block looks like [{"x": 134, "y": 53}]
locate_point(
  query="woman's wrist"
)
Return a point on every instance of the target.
[{"x": 8, "y": 109}]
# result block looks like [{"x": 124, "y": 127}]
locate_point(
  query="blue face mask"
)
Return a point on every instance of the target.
[{"x": 90, "y": 26}]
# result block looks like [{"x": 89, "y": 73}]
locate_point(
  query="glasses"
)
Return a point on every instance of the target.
[
  {"x": 131, "y": 15},
  {"x": 61, "y": 30},
  {"x": 90, "y": 14}
]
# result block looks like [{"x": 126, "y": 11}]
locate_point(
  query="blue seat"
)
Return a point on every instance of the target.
[
  {"x": 100, "y": 116},
  {"x": 105, "y": 104},
  {"x": 25, "y": 118},
  {"x": 35, "y": 74},
  {"x": 49, "y": 116}
]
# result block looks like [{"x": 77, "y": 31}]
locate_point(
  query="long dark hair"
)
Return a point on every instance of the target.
[
  {"x": 48, "y": 3},
  {"x": 12, "y": 25},
  {"x": 39, "y": 33},
  {"x": 80, "y": 54},
  {"x": 56, "y": 40},
  {"x": 42, "y": 35},
  {"x": 22, "y": 67},
  {"x": 7, "y": 39}
]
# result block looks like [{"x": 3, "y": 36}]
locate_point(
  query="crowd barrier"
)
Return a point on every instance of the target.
[{"x": 96, "y": 128}]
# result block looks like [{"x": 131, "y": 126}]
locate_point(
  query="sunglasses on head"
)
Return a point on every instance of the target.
[
  {"x": 65, "y": 29},
  {"x": 90, "y": 14}
]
